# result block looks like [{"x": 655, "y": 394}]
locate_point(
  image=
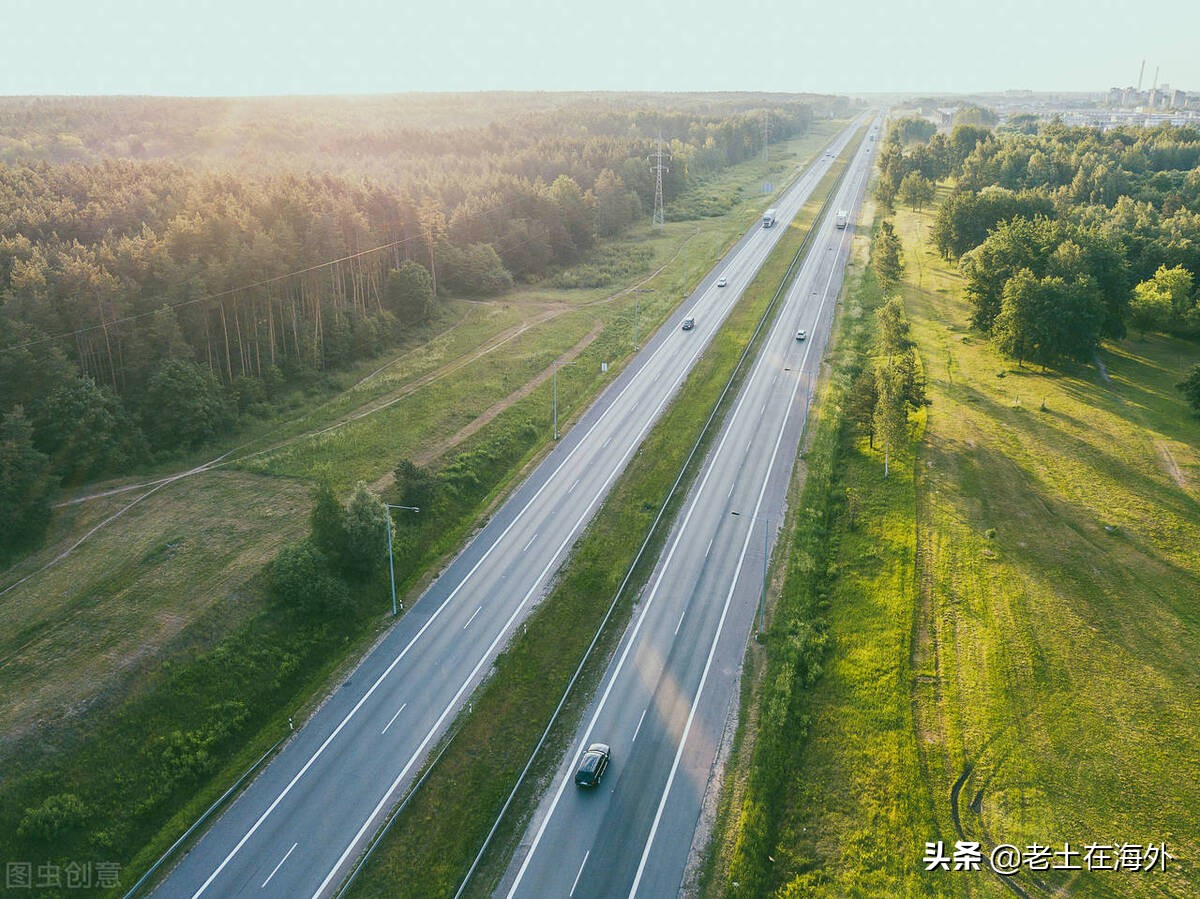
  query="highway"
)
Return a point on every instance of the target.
[
  {"x": 300, "y": 825},
  {"x": 668, "y": 694}
]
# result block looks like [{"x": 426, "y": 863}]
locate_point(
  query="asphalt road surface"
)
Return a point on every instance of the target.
[
  {"x": 667, "y": 696},
  {"x": 297, "y": 829}
]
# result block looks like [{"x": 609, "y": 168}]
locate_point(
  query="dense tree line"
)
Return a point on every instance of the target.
[
  {"x": 169, "y": 266},
  {"x": 1066, "y": 236},
  {"x": 891, "y": 384}
]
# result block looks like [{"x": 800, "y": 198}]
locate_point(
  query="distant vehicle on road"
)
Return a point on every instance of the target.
[
  {"x": 842, "y": 217},
  {"x": 593, "y": 765},
  {"x": 689, "y": 323},
  {"x": 769, "y": 217},
  {"x": 800, "y": 335},
  {"x": 721, "y": 282}
]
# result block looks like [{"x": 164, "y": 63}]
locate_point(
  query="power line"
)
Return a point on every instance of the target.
[
  {"x": 243, "y": 287},
  {"x": 204, "y": 299}
]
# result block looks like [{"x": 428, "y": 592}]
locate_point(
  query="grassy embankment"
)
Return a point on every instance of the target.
[
  {"x": 1019, "y": 608},
  {"x": 114, "y": 661},
  {"x": 434, "y": 838}
]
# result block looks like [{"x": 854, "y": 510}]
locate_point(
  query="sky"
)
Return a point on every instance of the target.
[{"x": 271, "y": 47}]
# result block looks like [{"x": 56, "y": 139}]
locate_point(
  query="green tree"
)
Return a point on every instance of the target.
[
  {"x": 964, "y": 140},
  {"x": 1012, "y": 246},
  {"x": 473, "y": 270},
  {"x": 966, "y": 217},
  {"x": 1190, "y": 388},
  {"x": 1018, "y": 328},
  {"x": 1163, "y": 301},
  {"x": 24, "y": 486},
  {"x": 916, "y": 191},
  {"x": 408, "y": 292},
  {"x": 911, "y": 130},
  {"x": 616, "y": 206},
  {"x": 327, "y": 524},
  {"x": 1046, "y": 319},
  {"x": 861, "y": 402},
  {"x": 301, "y": 577},
  {"x": 184, "y": 406},
  {"x": 979, "y": 116},
  {"x": 433, "y": 230},
  {"x": 1150, "y": 309},
  {"x": 415, "y": 485},
  {"x": 885, "y": 256},
  {"x": 366, "y": 532},
  {"x": 85, "y": 431},
  {"x": 894, "y": 331},
  {"x": 891, "y": 410},
  {"x": 573, "y": 218}
]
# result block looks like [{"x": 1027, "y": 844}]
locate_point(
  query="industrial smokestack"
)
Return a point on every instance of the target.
[{"x": 1140, "y": 75}]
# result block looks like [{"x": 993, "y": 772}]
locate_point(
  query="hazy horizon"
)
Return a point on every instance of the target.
[{"x": 220, "y": 48}]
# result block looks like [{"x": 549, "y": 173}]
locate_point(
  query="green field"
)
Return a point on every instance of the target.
[
  {"x": 1014, "y": 611},
  {"x": 1058, "y": 625}
]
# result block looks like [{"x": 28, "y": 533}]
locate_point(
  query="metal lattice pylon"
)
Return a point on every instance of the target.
[{"x": 659, "y": 168}]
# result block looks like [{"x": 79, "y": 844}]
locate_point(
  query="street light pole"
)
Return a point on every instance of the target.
[{"x": 391, "y": 560}]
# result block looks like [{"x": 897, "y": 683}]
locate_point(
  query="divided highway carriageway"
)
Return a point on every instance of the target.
[
  {"x": 299, "y": 827},
  {"x": 667, "y": 697}
]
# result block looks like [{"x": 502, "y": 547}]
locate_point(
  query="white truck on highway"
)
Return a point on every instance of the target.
[
  {"x": 842, "y": 217},
  {"x": 769, "y": 217}
]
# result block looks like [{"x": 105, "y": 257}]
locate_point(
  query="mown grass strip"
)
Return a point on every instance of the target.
[{"x": 437, "y": 834}]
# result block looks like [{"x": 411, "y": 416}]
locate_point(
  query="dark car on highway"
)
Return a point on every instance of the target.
[{"x": 592, "y": 765}]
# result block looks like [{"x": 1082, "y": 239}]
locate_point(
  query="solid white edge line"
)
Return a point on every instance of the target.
[
  {"x": 499, "y": 539},
  {"x": 324, "y": 745},
  {"x": 503, "y": 631},
  {"x": 625, "y": 652},
  {"x": 692, "y": 506},
  {"x": 720, "y": 625}
]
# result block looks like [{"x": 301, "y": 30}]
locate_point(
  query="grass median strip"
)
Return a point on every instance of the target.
[{"x": 434, "y": 838}]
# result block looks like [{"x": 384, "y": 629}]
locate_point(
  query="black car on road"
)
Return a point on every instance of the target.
[{"x": 592, "y": 765}]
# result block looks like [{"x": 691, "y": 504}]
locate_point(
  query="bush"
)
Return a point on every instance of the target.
[
  {"x": 57, "y": 815},
  {"x": 415, "y": 485},
  {"x": 1190, "y": 388},
  {"x": 302, "y": 578}
]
